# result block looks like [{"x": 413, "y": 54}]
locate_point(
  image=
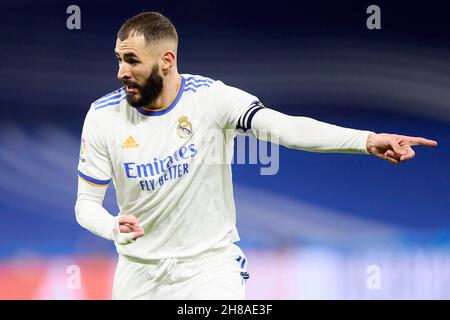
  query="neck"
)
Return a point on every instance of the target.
[{"x": 169, "y": 92}]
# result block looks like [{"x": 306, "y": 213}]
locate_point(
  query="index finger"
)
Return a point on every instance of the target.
[{"x": 419, "y": 141}]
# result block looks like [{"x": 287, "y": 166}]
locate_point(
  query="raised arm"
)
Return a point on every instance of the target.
[{"x": 311, "y": 135}]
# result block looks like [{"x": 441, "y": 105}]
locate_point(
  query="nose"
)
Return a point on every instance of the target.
[{"x": 124, "y": 72}]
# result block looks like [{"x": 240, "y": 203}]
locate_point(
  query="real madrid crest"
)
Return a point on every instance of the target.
[{"x": 184, "y": 128}]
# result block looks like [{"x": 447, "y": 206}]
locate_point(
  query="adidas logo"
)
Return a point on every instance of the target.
[{"x": 129, "y": 143}]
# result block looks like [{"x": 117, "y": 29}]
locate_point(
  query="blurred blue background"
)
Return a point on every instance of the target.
[{"x": 317, "y": 60}]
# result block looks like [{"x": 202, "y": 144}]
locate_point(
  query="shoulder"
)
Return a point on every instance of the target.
[
  {"x": 216, "y": 89},
  {"x": 197, "y": 83},
  {"x": 110, "y": 100},
  {"x": 102, "y": 109}
]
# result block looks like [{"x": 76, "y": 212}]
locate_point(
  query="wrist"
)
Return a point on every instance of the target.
[
  {"x": 111, "y": 227},
  {"x": 370, "y": 143}
]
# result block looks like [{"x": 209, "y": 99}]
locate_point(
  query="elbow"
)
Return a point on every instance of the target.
[
  {"x": 289, "y": 134},
  {"x": 296, "y": 135},
  {"x": 289, "y": 139},
  {"x": 78, "y": 212}
]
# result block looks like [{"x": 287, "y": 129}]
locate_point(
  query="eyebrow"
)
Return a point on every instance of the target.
[{"x": 128, "y": 55}]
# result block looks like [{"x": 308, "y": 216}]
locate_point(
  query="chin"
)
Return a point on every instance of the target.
[{"x": 134, "y": 101}]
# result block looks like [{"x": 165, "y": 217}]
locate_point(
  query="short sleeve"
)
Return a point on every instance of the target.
[
  {"x": 233, "y": 107},
  {"x": 94, "y": 165}
]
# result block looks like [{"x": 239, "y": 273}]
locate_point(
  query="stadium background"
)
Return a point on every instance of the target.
[{"x": 316, "y": 230}]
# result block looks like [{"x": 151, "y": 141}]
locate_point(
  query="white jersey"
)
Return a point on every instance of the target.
[{"x": 185, "y": 205}]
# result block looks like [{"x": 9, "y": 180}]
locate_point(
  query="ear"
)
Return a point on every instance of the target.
[{"x": 168, "y": 60}]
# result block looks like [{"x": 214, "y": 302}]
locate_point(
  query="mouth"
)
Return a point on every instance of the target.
[{"x": 131, "y": 89}]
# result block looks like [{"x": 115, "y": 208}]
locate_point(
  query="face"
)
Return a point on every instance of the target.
[{"x": 139, "y": 71}]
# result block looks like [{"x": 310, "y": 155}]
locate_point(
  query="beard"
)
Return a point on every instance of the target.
[{"x": 149, "y": 91}]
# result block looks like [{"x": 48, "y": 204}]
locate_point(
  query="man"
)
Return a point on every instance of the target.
[{"x": 175, "y": 232}]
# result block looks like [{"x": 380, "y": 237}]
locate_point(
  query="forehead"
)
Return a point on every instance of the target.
[{"x": 133, "y": 44}]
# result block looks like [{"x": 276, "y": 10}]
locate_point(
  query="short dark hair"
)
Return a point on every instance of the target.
[{"x": 152, "y": 25}]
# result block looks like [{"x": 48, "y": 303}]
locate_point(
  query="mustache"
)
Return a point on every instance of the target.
[{"x": 130, "y": 83}]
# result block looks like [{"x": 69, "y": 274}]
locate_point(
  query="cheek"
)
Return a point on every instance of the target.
[{"x": 141, "y": 75}]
